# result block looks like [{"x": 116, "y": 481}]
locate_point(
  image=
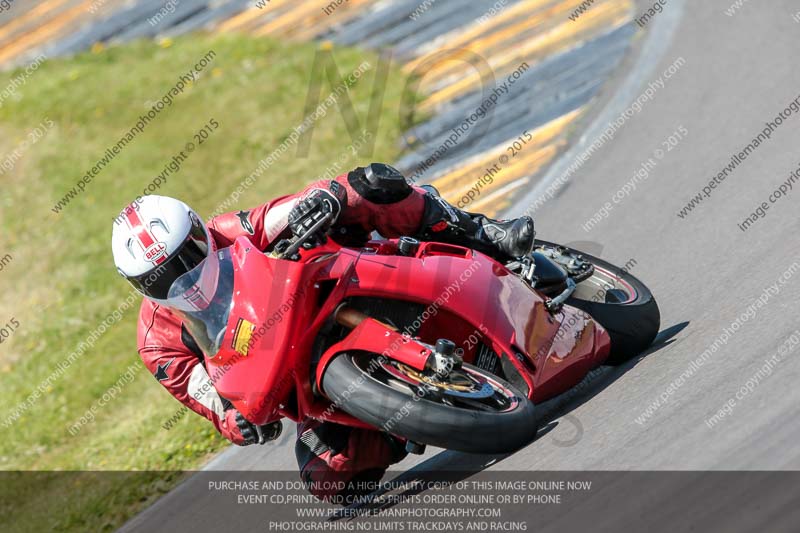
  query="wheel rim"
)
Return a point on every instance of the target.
[
  {"x": 603, "y": 280},
  {"x": 465, "y": 388}
]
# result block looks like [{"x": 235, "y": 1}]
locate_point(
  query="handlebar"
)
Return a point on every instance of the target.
[{"x": 287, "y": 248}]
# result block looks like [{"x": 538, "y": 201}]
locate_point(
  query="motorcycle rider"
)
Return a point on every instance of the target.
[{"x": 157, "y": 239}]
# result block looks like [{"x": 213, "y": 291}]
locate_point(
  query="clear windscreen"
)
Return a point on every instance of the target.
[{"x": 203, "y": 298}]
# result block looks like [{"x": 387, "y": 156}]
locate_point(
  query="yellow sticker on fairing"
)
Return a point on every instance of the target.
[{"x": 242, "y": 335}]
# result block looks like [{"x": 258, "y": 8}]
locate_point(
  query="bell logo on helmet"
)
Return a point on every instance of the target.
[{"x": 155, "y": 251}]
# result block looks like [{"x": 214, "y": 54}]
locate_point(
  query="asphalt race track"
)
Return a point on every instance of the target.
[{"x": 730, "y": 293}]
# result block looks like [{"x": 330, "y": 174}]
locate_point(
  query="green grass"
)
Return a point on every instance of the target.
[{"x": 62, "y": 282}]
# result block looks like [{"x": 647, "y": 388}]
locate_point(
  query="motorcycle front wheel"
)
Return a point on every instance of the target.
[{"x": 470, "y": 410}]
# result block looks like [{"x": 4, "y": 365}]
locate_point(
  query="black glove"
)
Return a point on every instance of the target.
[
  {"x": 311, "y": 210},
  {"x": 254, "y": 434}
]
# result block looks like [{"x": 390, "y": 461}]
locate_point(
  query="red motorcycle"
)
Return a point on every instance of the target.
[{"x": 432, "y": 342}]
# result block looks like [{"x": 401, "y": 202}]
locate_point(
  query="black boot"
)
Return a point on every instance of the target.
[{"x": 503, "y": 240}]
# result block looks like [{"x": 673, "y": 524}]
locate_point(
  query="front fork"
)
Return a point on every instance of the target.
[{"x": 382, "y": 341}]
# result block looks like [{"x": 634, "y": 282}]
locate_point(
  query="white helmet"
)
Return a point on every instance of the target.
[{"x": 165, "y": 250}]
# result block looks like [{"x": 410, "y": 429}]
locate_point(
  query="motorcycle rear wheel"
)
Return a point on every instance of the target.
[
  {"x": 620, "y": 302},
  {"x": 469, "y": 411}
]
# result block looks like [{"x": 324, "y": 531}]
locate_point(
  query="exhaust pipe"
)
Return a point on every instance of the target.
[{"x": 351, "y": 318}]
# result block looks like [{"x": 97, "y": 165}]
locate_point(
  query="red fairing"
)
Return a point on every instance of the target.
[
  {"x": 510, "y": 316},
  {"x": 160, "y": 342},
  {"x": 276, "y": 313},
  {"x": 273, "y": 378}
]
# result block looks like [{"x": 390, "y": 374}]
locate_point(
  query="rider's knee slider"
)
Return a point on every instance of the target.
[{"x": 379, "y": 183}]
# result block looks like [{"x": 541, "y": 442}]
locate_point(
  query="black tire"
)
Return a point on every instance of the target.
[
  {"x": 633, "y": 323},
  {"x": 374, "y": 396}
]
